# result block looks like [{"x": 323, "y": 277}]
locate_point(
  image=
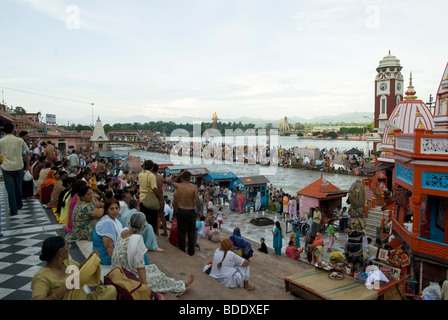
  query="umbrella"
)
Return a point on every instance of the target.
[{"x": 354, "y": 151}]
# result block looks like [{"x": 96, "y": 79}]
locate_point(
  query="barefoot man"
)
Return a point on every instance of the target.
[
  {"x": 159, "y": 180},
  {"x": 186, "y": 198}
]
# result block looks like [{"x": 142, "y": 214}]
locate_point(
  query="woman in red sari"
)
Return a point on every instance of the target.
[
  {"x": 242, "y": 201},
  {"x": 46, "y": 187}
]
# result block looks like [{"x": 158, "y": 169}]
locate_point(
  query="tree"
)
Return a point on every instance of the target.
[
  {"x": 18, "y": 110},
  {"x": 299, "y": 126}
]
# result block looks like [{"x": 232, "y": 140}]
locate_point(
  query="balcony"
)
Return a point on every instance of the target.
[
  {"x": 421, "y": 246},
  {"x": 422, "y": 144}
]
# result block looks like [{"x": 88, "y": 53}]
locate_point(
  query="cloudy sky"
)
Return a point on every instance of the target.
[{"x": 190, "y": 58}]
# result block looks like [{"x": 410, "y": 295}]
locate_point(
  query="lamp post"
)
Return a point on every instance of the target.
[
  {"x": 364, "y": 131},
  {"x": 92, "y": 104}
]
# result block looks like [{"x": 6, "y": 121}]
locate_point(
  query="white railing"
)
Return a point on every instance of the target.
[
  {"x": 434, "y": 146},
  {"x": 405, "y": 143}
]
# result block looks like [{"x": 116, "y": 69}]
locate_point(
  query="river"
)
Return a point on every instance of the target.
[{"x": 289, "y": 179}]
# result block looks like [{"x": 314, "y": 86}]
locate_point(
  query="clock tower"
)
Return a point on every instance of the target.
[{"x": 388, "y": 90}]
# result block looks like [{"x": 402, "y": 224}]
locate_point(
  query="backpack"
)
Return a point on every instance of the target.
[
  {"x": 128, "y": 286},
  {"x": 174, "y": 237}
]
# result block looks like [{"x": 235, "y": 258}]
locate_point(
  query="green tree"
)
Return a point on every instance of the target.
[{"x": 18, "y": 110}]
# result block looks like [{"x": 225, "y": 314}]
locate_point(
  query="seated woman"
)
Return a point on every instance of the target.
[
  {"x": 203, "y": 229},
  {"x": 230, "y": 269},
  {"x": 46, "y": 187},
  {"x": 130, "y": 252},
  {"x": 318, "y": 249},
  {"x": 67, "y": 183},
  {"x": 85, "y": 216},
  {"x": 148, "y": 234},
  {"x": 49, "y": 283},
  {"x": 58, "y": 188},
  {"x": 107, "y": 231},
  {"x": 243, "y": 248},
  {"x": 90, "y": 178},
  {"x": 47, "y": 165},
  {"x": 292, "y": 252},
  {"x": 71, "y": 199}
]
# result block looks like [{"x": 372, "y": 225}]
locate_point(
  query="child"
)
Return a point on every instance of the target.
[
  {"x": 215, "y": 235},
  {"x": 263, "y": 247},
  {"x": 210, "y": 204},
  {"x": 219, "y": 217},
  {"x": 210, "y": 219},
  {"x": 331, "y": 234}
]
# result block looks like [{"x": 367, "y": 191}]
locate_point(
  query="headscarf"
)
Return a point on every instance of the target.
[
  {"x": 107, "y": 227},
  {"x": 240, "y": 243},
  {"x": 136, "y": 250},
  {"x": 50, "y": 179},
  {"x": 136, "y": 245},
  {"x": 319, "y": 241}
]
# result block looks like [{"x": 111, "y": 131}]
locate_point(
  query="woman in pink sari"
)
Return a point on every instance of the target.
[
  {"x": 238, "y": 201},
  {"x": 292, "y": 207},
  {"x": 72, "y": 203}
]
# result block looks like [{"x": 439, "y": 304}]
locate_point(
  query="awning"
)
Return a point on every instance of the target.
[{"x": 381, "y": 166}]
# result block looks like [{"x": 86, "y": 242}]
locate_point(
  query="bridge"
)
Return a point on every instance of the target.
[{"x": 140, "y": 139}]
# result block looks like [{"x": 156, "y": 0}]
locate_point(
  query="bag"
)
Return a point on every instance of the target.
[
  {"x": 151, "y": 202},
  {"x": 27, "y": 176},
  {"x": 128, "y": 286},
  {"x": 174, "y": 236},
  {"x": 207, "y": 269}
]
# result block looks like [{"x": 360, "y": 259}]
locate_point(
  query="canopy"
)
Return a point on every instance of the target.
[{"x": 355, "y": 151}]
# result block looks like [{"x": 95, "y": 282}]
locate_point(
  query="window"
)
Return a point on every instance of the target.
[
  {"x": 398, "y": 99},
  {"x": 383, "y": 105}
]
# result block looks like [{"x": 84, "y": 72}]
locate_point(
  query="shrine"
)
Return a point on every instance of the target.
[
  {"x": 416, "y": 142},
  {"x": 320, "y": 194}
]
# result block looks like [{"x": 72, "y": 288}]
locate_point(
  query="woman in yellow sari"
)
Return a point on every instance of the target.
[
  {"x": 63, "y": 279},
  {"x": 70, "y": 200}
]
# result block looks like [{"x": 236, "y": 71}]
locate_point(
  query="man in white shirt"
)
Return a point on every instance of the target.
[{"x": 168, "y": 210}]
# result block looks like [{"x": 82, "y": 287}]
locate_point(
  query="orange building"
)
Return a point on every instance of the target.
[{"x": 416, "y": 142}]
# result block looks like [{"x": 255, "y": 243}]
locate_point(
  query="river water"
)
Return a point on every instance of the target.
[{"x": 289, "y": 179}]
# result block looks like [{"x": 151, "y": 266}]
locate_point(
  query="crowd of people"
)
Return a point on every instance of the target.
[{"x": 123, "y": 218}]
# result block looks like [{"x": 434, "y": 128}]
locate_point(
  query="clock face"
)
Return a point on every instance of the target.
[
  {"x": 398, "y": 86},
  {"x": 383, "y": 86}
]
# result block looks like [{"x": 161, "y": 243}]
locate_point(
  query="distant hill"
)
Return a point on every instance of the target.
[{"x": 357, "y": 117}]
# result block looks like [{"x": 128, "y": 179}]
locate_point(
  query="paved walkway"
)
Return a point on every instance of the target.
[
  {"x": 20, "y": 247},
  {"x": 24, "y": 234}
]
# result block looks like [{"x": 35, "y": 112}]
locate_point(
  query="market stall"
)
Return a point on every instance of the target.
[{"x": 250, "y": 186}]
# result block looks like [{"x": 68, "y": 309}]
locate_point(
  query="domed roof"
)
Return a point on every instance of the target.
[
  {"x": 408, "y": 115},
  {"x": 389, "y": 61}
]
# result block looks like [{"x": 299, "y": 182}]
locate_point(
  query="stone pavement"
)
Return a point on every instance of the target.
[
  {"x": 20, "y": 246},
  {"x": 24, "y": 234}
]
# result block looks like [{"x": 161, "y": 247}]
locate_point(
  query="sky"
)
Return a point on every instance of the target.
[{"x": 173, "y": 59}]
